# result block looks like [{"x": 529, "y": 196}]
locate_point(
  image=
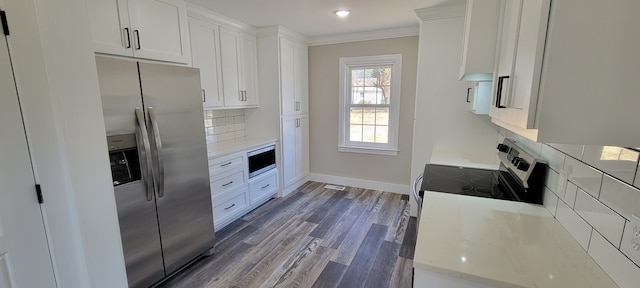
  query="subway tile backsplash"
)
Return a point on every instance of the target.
[
  {"x": 224, "y": 125},
  {"x": 597, "y": 202}
]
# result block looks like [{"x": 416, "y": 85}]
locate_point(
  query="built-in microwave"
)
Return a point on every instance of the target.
[{"x": 261, "y": 160}]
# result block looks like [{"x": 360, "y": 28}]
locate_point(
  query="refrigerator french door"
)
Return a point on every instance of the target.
[{"x": 155, "y": 132}]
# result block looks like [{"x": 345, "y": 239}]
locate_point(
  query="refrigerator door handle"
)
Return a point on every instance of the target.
[
  {"x": 158, "y": 171},
  {"x": 146, "y": 146}
]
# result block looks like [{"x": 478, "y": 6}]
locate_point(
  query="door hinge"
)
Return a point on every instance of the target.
[
  {"x": 39, "y": 194},
  {"x": 5, "y": 25}
]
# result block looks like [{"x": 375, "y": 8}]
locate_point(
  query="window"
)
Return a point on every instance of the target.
[{"x": 370, "y": 104}]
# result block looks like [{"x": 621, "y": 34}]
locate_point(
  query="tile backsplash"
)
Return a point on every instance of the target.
[
  {"x": 224, "y": 125},
  {"x": 593, "y": 191}
]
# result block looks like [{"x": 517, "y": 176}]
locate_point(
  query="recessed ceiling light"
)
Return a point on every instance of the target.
[{"x": 343, "y": 13}]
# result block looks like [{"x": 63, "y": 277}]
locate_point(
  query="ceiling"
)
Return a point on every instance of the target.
[{"x": 316, "y": 18}]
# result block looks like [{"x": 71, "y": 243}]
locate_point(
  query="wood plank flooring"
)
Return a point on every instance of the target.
[{"x": 314, "y": 237}]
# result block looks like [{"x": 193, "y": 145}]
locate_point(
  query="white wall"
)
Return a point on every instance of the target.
[
  {"x": 56, "y": 77},
  {"x": 444, "y": 130},
  {"x": 325, "y": 160}
]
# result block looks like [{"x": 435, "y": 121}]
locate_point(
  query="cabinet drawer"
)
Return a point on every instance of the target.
[
  {"x": 264, "y": 186},
  {"x": 229, "y": 207},
  {"x": 226, "y": 163},
  {"x": 221, "y": 185}
]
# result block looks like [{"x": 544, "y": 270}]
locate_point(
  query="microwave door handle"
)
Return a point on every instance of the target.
[
  {"x": 159, "y": 170},
  {"x": 141, "y": 130}
]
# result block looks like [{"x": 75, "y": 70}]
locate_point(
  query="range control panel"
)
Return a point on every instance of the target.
[{"x": 518, "y": 161}]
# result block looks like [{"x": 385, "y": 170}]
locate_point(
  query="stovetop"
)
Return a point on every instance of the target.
[
  {"x": 520, "y": 177},
  {"x": 464, "y": 181}
]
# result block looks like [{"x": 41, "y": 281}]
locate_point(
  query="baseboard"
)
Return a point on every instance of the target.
[
  {"x": 361, "y": 183},
  {"x": 287, "y": 190}
]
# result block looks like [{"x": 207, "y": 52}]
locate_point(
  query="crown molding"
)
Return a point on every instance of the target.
[
  {"x": 271, "y": 31},
  {"x": 441, "y": 12},
  {"x": 207, "y": 15},
  {"x": 366, "y": 36}
]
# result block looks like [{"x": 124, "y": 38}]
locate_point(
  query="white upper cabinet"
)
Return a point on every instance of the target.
[
  {"x": 226, "y": 53},
  {"x": 238, "y": 62},
  {"x": 590, "y": 74},
  {"x": 230, "y": 60},
  {"x": 567, "y": 71},
  {"x": 519, "y": 61},
  {"x": 294, "y": 80},
  {"x": 301, "y": 70},
  {"x": 478, "y": 97},
  {"x": 480, "y": 34},
  {"x": 205, "y": 55},
  {"x": 248, "y": 70},
  {"x": 149, "y": 29}
]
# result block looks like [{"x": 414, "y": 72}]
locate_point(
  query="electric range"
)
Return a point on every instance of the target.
[{"x": 520, "y": 177}]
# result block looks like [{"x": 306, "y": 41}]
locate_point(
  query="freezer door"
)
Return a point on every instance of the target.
[
  {"x": 120, "y": 92},
  {"x": 140, "y": 237},
  {"x": 172, "y": 96}
]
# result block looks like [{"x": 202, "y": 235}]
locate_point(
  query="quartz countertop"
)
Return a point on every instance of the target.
[
  {"x": 217, "y": 149},
  {"x": 501, "y": 243}
]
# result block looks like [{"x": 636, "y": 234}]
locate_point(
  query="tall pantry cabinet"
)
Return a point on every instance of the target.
[{"x": 284, "y": 106}]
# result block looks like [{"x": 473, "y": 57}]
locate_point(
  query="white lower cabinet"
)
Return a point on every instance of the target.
[
  {"x": 220, "y": 184},
  {"x": 229, "y": 207},
  {"x": 295, "y": 149},
  {"x": 233, "y": 193},
  {"x": 263, "y": 186}
]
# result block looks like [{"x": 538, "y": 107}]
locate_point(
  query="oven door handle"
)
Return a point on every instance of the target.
[{"x": 416, "y": 184}]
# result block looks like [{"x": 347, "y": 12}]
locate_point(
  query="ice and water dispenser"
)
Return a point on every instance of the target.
[{"x": 123, "y": 155}]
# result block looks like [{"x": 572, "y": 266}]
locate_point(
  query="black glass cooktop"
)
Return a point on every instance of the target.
[{"x": 464, "y": 181}]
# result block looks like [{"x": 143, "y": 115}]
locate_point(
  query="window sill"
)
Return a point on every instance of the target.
[{"x": 367, "y": 150}]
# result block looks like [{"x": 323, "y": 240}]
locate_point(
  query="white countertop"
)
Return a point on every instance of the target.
[
  {"x": 217, "y": 149},
  {"x": 501, "y": 243}
]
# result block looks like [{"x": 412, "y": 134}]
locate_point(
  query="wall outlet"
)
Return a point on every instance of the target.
[{"x": 633, "y": 242}]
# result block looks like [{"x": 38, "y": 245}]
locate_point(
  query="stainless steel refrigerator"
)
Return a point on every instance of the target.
[{"x": 156, "y": 137}]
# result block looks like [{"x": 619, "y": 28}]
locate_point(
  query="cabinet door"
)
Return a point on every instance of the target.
[
  {"x": 287, "y": 77},
  {"x": 301, "y": 73},
  {"x": 205, "y": 55},
  {"x": 509, "y": 15},
  {"x": 519, "y": 65},
  {"x": 249, "y": 71},
  {"x": 110, "y": 29},
  {"x": 230, "y": 64},
  {"x": 159, "y": 30},
  {"x": 302, "y": 146},
  {"x": 528, "y": 63},
  {"x": 479, "y": 44},
  {"x": 289, "y": 154}
]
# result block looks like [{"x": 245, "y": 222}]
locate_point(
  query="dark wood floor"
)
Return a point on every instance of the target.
[{"x": 314, "y": 237}]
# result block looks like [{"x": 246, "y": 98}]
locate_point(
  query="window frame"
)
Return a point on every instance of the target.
[{"x": 346, "y": 65}]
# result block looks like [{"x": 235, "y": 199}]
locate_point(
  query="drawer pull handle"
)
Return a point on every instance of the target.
[
  {"x": 265, "y": 186},
  {"x": 232, "y": 205},
  {"x": 225, "y": 185},
  {"x": 226, "y": 164}
]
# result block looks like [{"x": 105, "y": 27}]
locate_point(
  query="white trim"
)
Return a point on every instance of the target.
[
  {"x": 363, "y": 150},
  {"x": 204, "y": 14},
  {"x": 441, "y": 12},
  {"x": 287, "y": 190},
  {"x": 361, "y": 183},
  {"x": 366, "y": 36},
  {"x": 272, "y": 31},
  {"x": 393, "y": 60}
]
